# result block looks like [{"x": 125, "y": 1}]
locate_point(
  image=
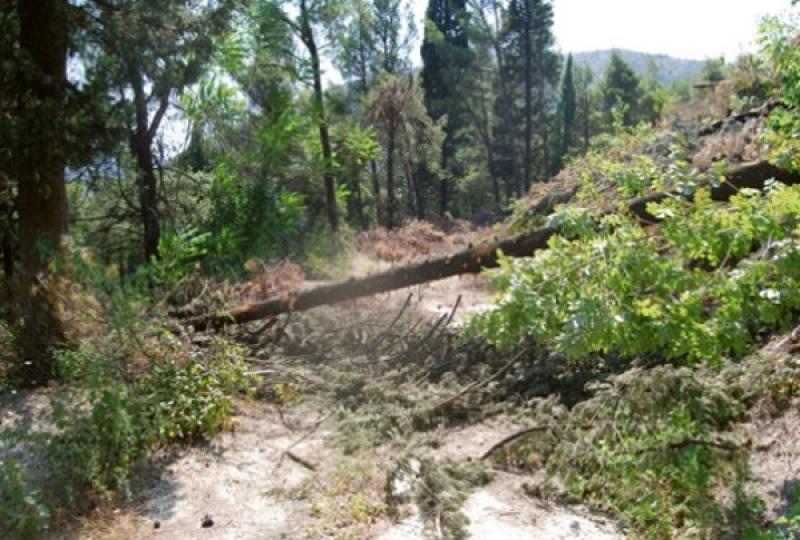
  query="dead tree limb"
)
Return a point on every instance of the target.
[{"x": 472, "y": 260}]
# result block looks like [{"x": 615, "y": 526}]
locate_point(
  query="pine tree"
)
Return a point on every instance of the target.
[
  {"x": 145, "y": 62},
  {"x": 586, "y": 98},
  {"x": 532, "y": 65},
  {"x": 446, "y": 58},
  {"x": 622, "y": 90}
]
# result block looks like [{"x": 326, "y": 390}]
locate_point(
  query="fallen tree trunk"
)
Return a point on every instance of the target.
[{"x": 471, "y": 260}]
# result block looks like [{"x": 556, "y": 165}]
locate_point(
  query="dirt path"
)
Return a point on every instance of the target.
[
  {"x": 245, "y": 485},
  {"x": 244, "y": 481}
]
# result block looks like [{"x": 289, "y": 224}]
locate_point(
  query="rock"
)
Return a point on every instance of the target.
[
  {"x": 156, "y": 524},
  {"x": 207, "y": 522}
]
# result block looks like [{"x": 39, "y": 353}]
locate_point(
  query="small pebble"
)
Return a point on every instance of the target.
[
  {"x": 207, "y": 522},
  {"x": 156, "y": 524}
]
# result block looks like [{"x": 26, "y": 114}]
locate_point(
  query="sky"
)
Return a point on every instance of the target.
[{"x": 693, "y": 29}]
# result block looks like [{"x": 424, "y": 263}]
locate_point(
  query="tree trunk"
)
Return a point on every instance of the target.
[
  {"x": 6, "y": 252},
  {"x": 141, "y": 144},
  {"x": 148, "y": 198},
  {"x": 471, "y": 260},
  {"x": 7, "y": 231},
  {"x": 391, "y": 195},
  {"x": 42, "y": 201},
  {"x": 586, "y": 113},
  {"x": 376, "y": 188},
  {"x": 319, "y": 105},
  {"x": 413, "y": 190},
  {"x": 528, "y": 97},
  {"x": 444, "y": 193}
]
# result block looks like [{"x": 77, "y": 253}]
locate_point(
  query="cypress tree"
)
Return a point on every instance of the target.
[{"x": 569, "y": 105}]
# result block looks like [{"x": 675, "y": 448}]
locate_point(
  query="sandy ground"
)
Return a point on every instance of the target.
[
  {"x": 243, "y": 481},
  {"x": 236, "y": 480}
]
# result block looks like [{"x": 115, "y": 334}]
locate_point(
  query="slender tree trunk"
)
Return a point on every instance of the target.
[
  {"x": 6, "y": 251},
  {"x": 585, "y": 123},
  {"x": 414, "y": 190},
  {"x": 376, "y": 189},
  {"x": 391, "y": 195},
  {"x": 42, "y": 201},
  {"x": 142, "y": 149},
  {"x": 528, "y": 97},
  {"x": 444, "y": 194},
  {"x": 7, "y": 231},
  {"x": 319, "y": 105}
]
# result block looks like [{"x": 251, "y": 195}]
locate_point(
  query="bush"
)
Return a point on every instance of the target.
[
  {"x": 692, "y": 294},
  {"x": 22, "y": 514},
  {"x": 108, "y": 422}
]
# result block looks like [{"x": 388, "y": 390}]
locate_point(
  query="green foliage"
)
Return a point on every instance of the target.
[
  {"x": 691, "y": 295},
  {"x": 779, "y": 40},
  {"x": 21, "y": 512},
  {"x": 180, "y": 254},
  {"x": 714, "y": 69},
  {"x": 107, "y": 422},
  {"x": 650, "y": 446},
  {"x": 95, "y": 448},
  {"x": 249, "y": 219}
]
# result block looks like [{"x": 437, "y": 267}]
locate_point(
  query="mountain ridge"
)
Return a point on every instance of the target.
[{"x": 668, "y": 68}]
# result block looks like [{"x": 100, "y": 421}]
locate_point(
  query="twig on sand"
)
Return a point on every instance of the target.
[{"x": 305, "y": 463}]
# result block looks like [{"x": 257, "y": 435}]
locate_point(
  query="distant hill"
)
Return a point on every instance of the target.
[{"x": 669, "y": 69}]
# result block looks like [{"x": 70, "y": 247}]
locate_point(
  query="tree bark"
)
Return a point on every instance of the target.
[
  {"x": 528, "y": 97},
  {"x": 42, "y": 201},
  {"x": 391, "y": 194},
  {"x": 444, "y": 188},
  {"x": 471, "y": 260},
  {"x": 141, "y": 144},
  {"x": 319, "y": 104}
]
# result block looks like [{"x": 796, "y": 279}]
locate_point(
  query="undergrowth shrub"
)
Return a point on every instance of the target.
[
  {"x": 779, "y": 37},
  {"x": 656, "y": 447},
  {"x": 21, "y": 511},
  {"x": 111, "y": 415},
  {"x": 693, "y": 293}
]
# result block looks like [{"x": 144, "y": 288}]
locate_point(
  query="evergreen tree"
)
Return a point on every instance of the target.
[
  {"x": 586, "y": 98},
  {"x": 446, "y": 58},
  {"x": 533, "y": 65},
  {"x": 36, "y": 143},
  {"x": 622, "y": 90},
  {"x": 569, "y": 105},
  {"x": 145, "y": 62}
]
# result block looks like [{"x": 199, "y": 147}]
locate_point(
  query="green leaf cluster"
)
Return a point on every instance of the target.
[{"x": 711, "y": 283}]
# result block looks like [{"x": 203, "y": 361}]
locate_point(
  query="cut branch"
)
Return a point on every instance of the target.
[{"x": 471, "y": 260}]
